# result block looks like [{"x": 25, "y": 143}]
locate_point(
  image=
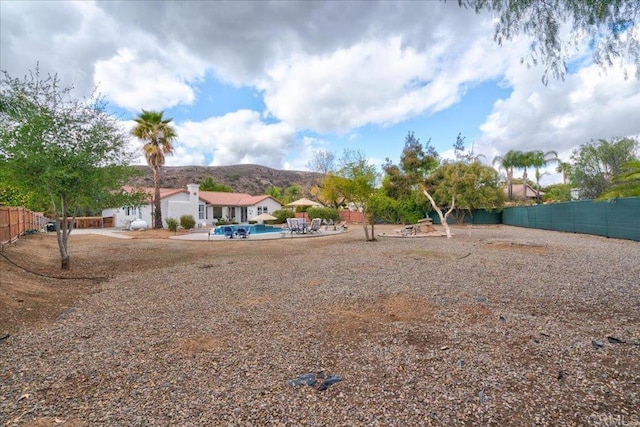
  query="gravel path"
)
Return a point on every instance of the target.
[{"x": 498, "y": 326}]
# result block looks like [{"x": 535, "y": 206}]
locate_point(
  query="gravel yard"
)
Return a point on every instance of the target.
[{"x": 497, "y": 326}]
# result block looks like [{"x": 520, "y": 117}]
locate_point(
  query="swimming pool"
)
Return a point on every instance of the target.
[{"x": 250, "y": 228}]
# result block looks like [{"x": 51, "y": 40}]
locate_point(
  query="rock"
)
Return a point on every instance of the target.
[
  {"x": 311, "y": 379},
  {"x": 329, "y": 381}
]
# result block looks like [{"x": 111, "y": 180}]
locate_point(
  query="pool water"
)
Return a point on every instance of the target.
[{"x": 251, "y": 228}]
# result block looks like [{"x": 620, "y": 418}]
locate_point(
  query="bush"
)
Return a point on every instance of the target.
[
  {"x": 557, "y": 193},
  {"x": 324, "y": 213},
  {"x": 283, "y": 214},
  {"x": 172, "y": 223},
  {"x": 187, "y": 222}
]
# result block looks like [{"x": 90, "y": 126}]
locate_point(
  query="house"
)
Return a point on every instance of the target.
[
  {"x": 206, "y": 207},
  {"x": 517, "y": 192}
]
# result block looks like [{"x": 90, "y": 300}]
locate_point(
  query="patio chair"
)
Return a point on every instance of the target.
[
  {"x": 228, "y": 232},
  {"x": 343, "y": 225},
  {"x": 242, "y": 233},
  {"x": 327, "y": 224},
  {"x": 315, "y": 225}
]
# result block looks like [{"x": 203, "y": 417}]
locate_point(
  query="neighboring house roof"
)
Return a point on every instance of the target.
[{"x": 517, "y": 191}]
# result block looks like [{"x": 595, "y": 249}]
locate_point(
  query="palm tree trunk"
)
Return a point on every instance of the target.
[{"x": 157, "y": 214}]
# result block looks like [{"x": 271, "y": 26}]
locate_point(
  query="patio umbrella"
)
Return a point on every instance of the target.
[
  {"x": 303, "y": 202},
  {"x": 264, "y": 217}
]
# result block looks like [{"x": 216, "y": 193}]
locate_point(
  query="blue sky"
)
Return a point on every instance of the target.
[{"x": 273, "y": 82}]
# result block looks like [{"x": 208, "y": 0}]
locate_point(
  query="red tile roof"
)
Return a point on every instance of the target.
[
  {"x": 164, "y": 192},
  {"x": 216, "y": 198},
  {"x": 231, "y": 199}
]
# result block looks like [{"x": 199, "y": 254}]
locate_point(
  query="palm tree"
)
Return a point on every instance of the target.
[
  {"x": 524, "y": 161},
  {"x": 539, "y": 159},
  {"x": 157, "y": 135},
  {"x": 565, "y": 169},
  {"x": 508, "y": 162},
  {"x": 626, "y": 183}
]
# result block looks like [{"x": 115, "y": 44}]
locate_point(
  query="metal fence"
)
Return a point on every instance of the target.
[{"x": 619, "y": 218}]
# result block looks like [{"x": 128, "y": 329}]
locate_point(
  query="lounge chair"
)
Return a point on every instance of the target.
[
  {"x": 228, "y": 232},
  {"x": 315, "y": 225},
  {"x": 294, "y": 225},
  {"x": 242, "y": 233},
  {"x": 343, "y": 225}
]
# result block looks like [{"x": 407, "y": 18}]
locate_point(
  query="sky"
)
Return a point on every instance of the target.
[{"x": 271, "y": 83}]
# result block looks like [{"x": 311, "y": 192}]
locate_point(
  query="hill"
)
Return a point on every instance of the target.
[{"x": 252, "y": 179}]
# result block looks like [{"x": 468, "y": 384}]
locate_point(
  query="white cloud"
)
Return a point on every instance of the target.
[
  {"x": 322, "y": 66},
  {"x": 184, "y": 156},
  {"x": 136, "y": 83},
  {"x": 239, "y": 137},
  {"x": 379, "y": 81},
  {"x": 64, "y": 38},
  {"x": 561, "y": 116}
]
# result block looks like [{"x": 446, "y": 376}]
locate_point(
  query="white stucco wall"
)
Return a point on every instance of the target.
[
  {"x": 186, "y": 203},
  {"x": 122, "y": 220},
  {"x": 272, "y": 205}
]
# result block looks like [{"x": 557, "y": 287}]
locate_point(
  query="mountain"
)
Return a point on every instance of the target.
[{"x": 251, "y": 179}]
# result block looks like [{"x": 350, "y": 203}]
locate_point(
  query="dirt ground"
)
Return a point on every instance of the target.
[
  {"x": 540, "y": 342},
  {"x": 33, "y": 288}
]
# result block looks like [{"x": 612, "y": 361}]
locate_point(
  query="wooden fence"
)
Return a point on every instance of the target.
[
  {"x": 93, "y": 222},
  {"x": 15, "y": 221}
]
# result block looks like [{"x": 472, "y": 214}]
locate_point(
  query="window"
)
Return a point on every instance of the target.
[
  {"x": 129, "y": 211},
  {"x": 200, "y": 211},
  {"x": 263, "y": 209}
]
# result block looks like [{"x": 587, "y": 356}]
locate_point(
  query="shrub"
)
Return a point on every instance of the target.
[
  {"x": 283, "y": 214},
  {"x": 324, "y": 213},
  {"x": 172, "y": 224},
  {"x": 187, "y": 222}
]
